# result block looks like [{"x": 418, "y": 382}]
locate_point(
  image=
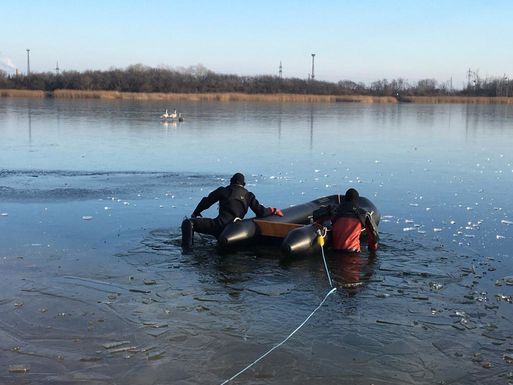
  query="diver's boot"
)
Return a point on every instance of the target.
[{"x": 187, "y": 234}]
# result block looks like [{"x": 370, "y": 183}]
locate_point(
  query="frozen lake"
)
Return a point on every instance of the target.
[{"x": 95, "y": 288}]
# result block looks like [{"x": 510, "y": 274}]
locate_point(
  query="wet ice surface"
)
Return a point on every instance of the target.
[
  {"x": 95, "y": 288},
  {"x": 415, "y": 314},
  {"x": 137, "y": 310}
]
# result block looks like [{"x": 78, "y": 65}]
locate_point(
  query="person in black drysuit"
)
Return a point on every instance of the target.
[{"x": 234, "y": 201}]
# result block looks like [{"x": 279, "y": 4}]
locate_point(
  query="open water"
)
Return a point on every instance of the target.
[{"x": 95, "y": 289}]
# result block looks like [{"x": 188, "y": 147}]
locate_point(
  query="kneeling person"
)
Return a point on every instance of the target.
[{"x": 234, "y": 202}]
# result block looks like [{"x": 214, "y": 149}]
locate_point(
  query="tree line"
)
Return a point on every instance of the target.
[{"x": 198, "y": 79}]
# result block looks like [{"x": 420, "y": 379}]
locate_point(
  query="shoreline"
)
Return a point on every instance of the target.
[{"x": 241, "y": 97}]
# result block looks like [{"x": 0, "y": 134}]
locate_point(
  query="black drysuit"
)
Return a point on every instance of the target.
[{"x": 234, "y": 201}]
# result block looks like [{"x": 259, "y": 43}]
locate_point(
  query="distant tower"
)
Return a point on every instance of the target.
[
  {"x": 313, "y": 73},
  {"x": 28, "y": 61},
  {"x": 280, "y": 72},
  {"x": 57, "y": 68}
]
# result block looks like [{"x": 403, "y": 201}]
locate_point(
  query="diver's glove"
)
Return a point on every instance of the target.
[{"x": 275, "y": 211}]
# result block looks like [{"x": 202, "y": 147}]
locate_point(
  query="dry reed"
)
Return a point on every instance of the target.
[
  {"x": 458, "y": 99},
  {"x": 242, "y": 97},
  {"x": 22, "y": 93},
  {"x": 221, "y": 97}
]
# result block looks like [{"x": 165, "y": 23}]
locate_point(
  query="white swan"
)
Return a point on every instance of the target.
[{"x": 175, "y": 115}]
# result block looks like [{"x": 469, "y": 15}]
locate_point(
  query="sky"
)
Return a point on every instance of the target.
[{"x": 358, "y": 40}]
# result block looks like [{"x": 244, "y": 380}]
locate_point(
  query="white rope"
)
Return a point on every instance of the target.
[
  {"x": 326, "y": 267},
  {"x": 282, "y": 342},
  {"x": 321, "y": 234}
]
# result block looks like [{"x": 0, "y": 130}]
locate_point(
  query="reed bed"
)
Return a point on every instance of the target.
[
  {"x": 242, "y": 97},
  {"x": 458, "y": 99},
  {"x": 22, "y": 93},
  {"x": 221, "y": 97}
]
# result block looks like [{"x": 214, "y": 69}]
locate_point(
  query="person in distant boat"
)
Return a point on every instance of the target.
[
  {"x": 348, "y": 222},
  {"x": 234, "y": 202}
]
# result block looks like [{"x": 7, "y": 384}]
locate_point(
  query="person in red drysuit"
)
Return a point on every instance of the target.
[{"x": 349, "y": 221}]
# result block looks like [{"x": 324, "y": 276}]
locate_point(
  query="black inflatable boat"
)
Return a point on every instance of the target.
[{"x": 295, "y": 227}]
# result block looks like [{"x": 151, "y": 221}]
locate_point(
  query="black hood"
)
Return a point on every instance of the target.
[{"x": 238, "y": 178}]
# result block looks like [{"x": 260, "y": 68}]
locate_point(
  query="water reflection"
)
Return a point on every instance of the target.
[
  {"x": 29, "y": 116},
  {"x": 168, "y": 124},
  {"x": 424, "y": 307},
  {"x": 311, "y": 125},
  {"x": 352, "y": 271},
  {"x": 484, "y": 117}
]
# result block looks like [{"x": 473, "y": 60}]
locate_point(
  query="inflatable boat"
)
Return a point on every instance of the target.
[{"x": 295, "y": 229}]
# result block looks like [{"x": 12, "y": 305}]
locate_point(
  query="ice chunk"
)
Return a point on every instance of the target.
[
  {"x": 155, "y": 325},
  {"x": 409, "y": 228},
  {"x": 114, "y": 344},
  {"x": 507, "y": 222},
  {"x": 19, "y": 368},
  {"x": 90, "y": 359},
  {"x": 156, "y": 355},
  {"x": 130, "y": 349},
  {"x": 437, "y": 229},
  {"x": 87, "y": 217},
  {"x": 435, "y": 285},
  {"x": 3, "y": 214},
  {"x": 502, "y": 297}
]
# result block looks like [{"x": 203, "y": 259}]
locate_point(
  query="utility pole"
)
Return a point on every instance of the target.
[
  {"x": 57, "y": 68},
  {"x": 313, "y": 73},
  {"x": 280, "y": 72},
  {"x": 28, "y": 61}
]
